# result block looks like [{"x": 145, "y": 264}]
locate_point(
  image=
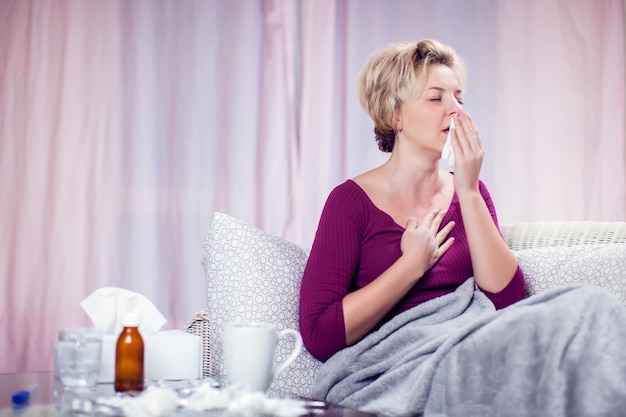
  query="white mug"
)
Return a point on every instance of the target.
[{"x": 249, "y": 353}]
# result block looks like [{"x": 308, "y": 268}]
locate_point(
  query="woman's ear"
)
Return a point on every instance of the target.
[{"x": 397, "y": 122}]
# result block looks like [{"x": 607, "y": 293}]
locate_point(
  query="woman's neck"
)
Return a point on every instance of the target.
[{"x": 417, "y": 182}]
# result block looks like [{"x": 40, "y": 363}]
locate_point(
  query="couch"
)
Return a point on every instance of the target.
[{"x": 252, "y": 275}]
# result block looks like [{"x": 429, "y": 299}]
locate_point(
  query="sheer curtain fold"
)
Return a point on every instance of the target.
[
  {"x": 53, "y": 195},
  {"x": 276, "y": 172},
  {"x": 325, "y": 105},
  {"x": 561, "y": 125},
  {"x": 125, "y": 124}
]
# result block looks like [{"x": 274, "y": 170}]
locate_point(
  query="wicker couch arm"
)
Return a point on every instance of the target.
[
  {"x": 542, "y": 234},
  {"x": 198, "y": 324}
]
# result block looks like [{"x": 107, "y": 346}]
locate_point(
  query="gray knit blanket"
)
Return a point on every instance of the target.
[{"x": 558, "y": 353}]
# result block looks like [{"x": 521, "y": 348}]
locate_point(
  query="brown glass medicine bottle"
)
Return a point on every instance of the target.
[{"x": 129, "y": 356}]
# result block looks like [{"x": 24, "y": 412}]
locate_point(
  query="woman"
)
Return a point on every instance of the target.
[
  {"x": 379, "y": 248},
  {"x": 408, "y": 242}
]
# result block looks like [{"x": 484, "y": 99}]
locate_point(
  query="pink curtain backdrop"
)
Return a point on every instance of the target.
[{"x": 125, "y": 123}]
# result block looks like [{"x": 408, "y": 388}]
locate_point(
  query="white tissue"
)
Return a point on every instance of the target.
[
  {"x": 239, "y": 401},
  {"x": 153, "y": 402},
  {"x": 106, "y": 308},
  {"x": 447, "y": 154},
  {"x": 163, "y": 401}
]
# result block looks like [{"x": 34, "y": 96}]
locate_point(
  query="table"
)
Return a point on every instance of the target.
[{"x": 47, "y": 396}]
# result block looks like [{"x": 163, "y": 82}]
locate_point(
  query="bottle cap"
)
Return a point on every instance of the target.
[
  {"x": 21, "y": 397},
  {"x": 130, "y": 320}
]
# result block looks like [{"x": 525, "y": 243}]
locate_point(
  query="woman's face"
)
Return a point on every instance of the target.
[{"x": 425, "y": 121}]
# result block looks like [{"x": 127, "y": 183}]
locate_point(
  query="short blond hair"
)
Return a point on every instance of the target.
[{"x": 397, "y": 74}]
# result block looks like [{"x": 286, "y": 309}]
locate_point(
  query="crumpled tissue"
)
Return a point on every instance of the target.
[
  {"x": 106, "y": 308},
  {"x": 447, "y": 154},
  {"x": 158, "y": 401}
]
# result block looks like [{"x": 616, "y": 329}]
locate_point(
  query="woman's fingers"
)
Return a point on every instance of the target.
[
  {"x": 424, "y": 239},
  {"x": 442, "y": 235},
  {"x": 473, "y": 132},
  {"x": 443, "y": 248},
  {"x": 411, "y": 223},
  {"x": 468, "y": 153},
  {"x": 467, "y": 136},
  {"x": 433, "y": 222}
]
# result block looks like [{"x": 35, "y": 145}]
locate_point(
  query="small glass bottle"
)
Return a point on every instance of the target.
[{"x": 129, "y": 376}]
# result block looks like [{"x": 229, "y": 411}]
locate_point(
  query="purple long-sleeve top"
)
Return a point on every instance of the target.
[{"x": 354, "y": 244}]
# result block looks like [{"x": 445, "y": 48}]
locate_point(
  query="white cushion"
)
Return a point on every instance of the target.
[
  {"x": 602, "y": 265},
  {"x": 253, "y": 276}
]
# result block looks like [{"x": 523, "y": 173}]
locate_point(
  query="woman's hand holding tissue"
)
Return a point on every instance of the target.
[{"x": 468, "y": 153}]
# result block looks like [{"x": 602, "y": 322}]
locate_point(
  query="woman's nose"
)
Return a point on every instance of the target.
[{"x": 455, "y": 106}]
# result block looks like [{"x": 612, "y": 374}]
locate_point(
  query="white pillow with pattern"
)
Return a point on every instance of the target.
[
  {"x": 603, "y": 265},
  {"x": 253, "y": 276}
]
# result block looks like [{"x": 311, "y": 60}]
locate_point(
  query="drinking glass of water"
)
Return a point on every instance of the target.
[{"x": 77, "y": 358}]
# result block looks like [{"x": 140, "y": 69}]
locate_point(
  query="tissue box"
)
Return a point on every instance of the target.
[{"x": 168, "y": 354}]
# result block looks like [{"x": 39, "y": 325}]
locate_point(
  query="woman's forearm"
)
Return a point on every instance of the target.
[
  {"x": 364, "y": 308},
  {"x": 492, "y": 261}
]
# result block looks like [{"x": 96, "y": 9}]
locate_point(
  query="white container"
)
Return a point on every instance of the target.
[{"x": 168, "y": 354}]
